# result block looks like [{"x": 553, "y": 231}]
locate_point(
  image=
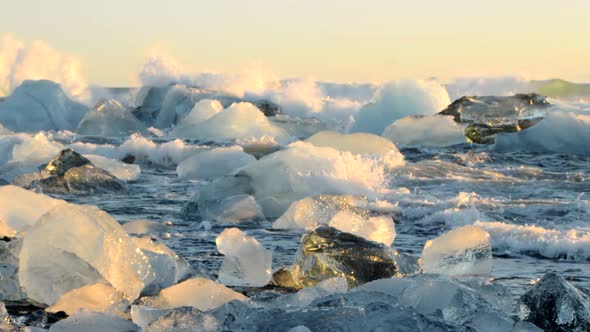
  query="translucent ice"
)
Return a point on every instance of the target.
[
  {"x": 20, "y": 209},
  {"x": 431, "y": 131},
  {"x": 310, "y": 213},
  {"x": 307, "y": 295},
  {"x": 202, "y": 111},
  {"x": 462, "y": 251},
  {"x": 377, "y": 229},
  {"x": 360, "y": 143},
  {"x": 179, "y": 100},
  {"x": 143, "y": 315},
  {"x": 72, "y": 246},
  {"x": 240, "y": 120},
  {"x": 233, "y": 209},
  {"x": 245, "y": 262},
  {"x": 184, "y": 319},
  {"x": 110, "y": 118},
  {"x": 213, "y": 163},
  {"x": 40, "y": 105},
  {"x": 200, "y": 293},
  {"x": 96, "y": 297},
  {"x": 90, "y": 321},
  {"x": 121, "y": 170},
  {"x": 398, "y": 99}
]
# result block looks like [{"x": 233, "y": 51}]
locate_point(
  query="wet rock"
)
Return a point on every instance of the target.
[
  {"x": 488, "y": 115},
  {"x": 70, "y": 172},
  {"x": 267, "y": 107},
  {"x": 553, "y": 304},
  {"x": 328, "y": 252}
]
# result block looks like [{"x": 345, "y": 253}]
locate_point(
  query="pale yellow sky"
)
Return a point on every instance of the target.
[{"x": 369, "y": 40}]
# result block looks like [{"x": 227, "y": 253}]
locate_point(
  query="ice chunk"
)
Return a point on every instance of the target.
[
  {"x": 430, "y": 131},
  {"x": 90, "y": 321},
  {"x": 200, "y": 293},
  {"x": 184, "y": 319},
  {"x": 245, "y": 262},
  {"x": 169, "y": 153},
  {"x": 560, "y": 132},
  {"x": 121, "y": 170},
  {"x": 96, "y": 297},
  {"x": 361, "y": 143},
  {"x": 40, "y": 105},
  {"x": 462, "y": 251},
  {"x": 6, "y": 323},
  {"x": 167, "y": 267},
  {"x": 377, "y": 229},
  {"x": 5, "y": 131},
  {"x": 110, "y": 118},
  {"x": 398, "y": 99},
  {"x": 20, "y": 209},
  {"x": 10, "y": 289},
  {"x": 143, "y": 227},
  {"x": 307, "y": 295},
  {"x": 310, "y": 213},
  {"x": 214, "y": 163},
  {"x": 328, "y": 253},
  {"x": 73, "y": 246},
  {"x": 303, "y": 170},
  {"x": 143, "y": 315},
  {"x": 233, "y": 209},
  {"x": 202, "y": 111},
  {"x": 553, "y": 304},
  {"x": 179, "y": 100},
  {"x": 240, "y": 120}
]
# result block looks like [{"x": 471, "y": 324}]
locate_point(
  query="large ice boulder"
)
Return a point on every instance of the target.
[
  {"x": 203, "y": 110},
  {"x": 462, "y": 251},
  {"x": 72, "y": 246},
  {"x": 96, "y": 297},
  {"x": 70, "y": 172},
  {"x": 379, "y": 229},
  {"x": 430, "y": 131},
  {"x": 10, "y": 289},
  {"x": 301, "y": 170},
  {"x": 179, "y": 100},
  {"x": 398, "y": 99},
  {"x": 214, "y": 163},
  {"x": 40, "y": 105},
  {"x": 360, "y": 143},
  {"x": 148, "y": 103},
  {"x": 310, "y": 213},
  {"x": 559, "y": 132},
  {"x": 110, "y": 118},
  {"x": 485, "y": 116},
  {"x": 20, "y": 209},
  {"x": 239, "y": 121},
  {"x": 230, "y": 210},
  {"x": 554, "y": 304},
  {"x": 201, "y": 293},
  {"x": 121, "y": 170},
  {"x": 327, "y": 253},
  {"x": 245, "y": 261}
]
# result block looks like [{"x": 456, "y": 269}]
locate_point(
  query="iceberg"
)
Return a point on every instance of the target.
[
  {"x": 360, "y": 143},
  {"x": 72, "y": 246},
  {"x": 327, "y": 253},
  {"x": 96, "y": 297},
  {"x": 554, "y": 304},
  {"x": 462, "y": 251},
  {"x": 199, "y": 293},
  {"x": 110, "y": 118},
  {"x": 428, "y": 131},
  {"x": 398, "y": 99},
  {"x": 20, "y": 209},
  {"x": 40, "y": 105},
  {"x": 245, "y": 262},
  {"x": 214, "y": 163},
  {"x": 485, "y": 116},
  {"x": 310, "y": 213}
]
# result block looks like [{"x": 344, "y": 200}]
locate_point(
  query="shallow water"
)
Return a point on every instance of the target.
[{"x": 515, "y": 188}]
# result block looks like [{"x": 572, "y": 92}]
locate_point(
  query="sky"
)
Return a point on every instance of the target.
[{"x": 369, "y": 40}]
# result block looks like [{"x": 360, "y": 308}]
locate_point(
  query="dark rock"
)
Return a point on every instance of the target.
[
  {"x": 553, "y": 304},
  {"x": 327, "y": 252},
  {"x": 70, "y": 172},
  {"x": 128, "y": 159},
  {"x": 267, "y": 107},
  {"x": 489, "y": 115}
]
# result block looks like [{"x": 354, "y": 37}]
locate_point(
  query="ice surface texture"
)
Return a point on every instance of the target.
[
  {"x": 110, "y": 118},
  {"x": 430, "y": 131},
  {"x": 214, "y": 163}
]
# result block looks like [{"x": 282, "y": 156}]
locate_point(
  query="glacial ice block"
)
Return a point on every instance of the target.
[
  {"x": 377, "y": 229},
  {"x": 73, "y": 246},
  {"x": 246, "y": 262},
  {"x": 20, "y": 209},
  {"x": 110, "y": 118},
  {"x": 361, "y": 143},
  {"x": 429, "y": 131},
  {"x": 96, "y": 297},
  {"x": 462, "y": 251},
  {"x": 203, "y": 110},
  {"x": 91, "y": 321},
  {"x": 121, "y": 170},
  {"x": 214, "y": 163},
  {"x": 234, "y": 209}
]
